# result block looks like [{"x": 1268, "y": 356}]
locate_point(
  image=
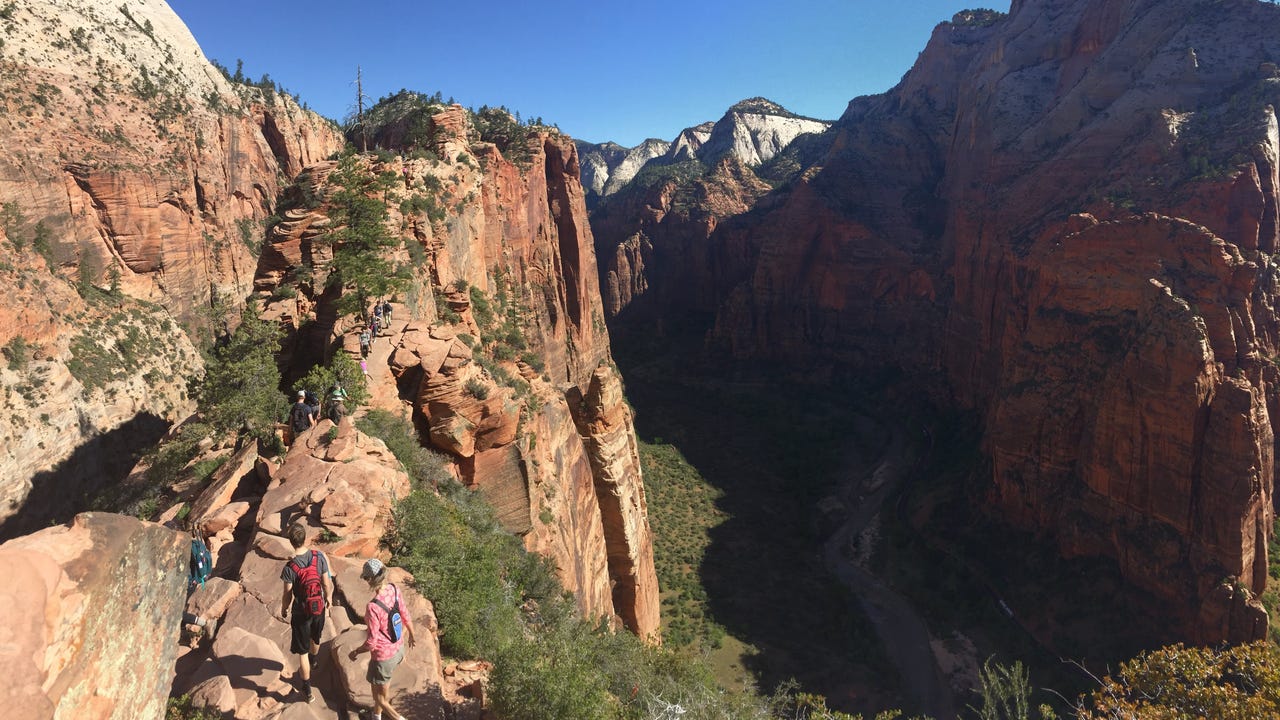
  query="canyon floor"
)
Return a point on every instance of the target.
[{"x": 834, "y": 526}]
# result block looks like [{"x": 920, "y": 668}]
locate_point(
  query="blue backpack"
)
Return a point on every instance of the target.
[
  {"x": 395, "y": 623},
  {"x": 201, "y": 562}
]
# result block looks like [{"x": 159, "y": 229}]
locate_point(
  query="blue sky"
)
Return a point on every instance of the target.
[{"x": 603, "y": 70}]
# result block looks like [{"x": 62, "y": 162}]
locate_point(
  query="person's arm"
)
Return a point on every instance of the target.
[
  {"x": 406, "y": 620},
  {"x": 328, "y": 583},
  {"x": 285, "y": 599}
]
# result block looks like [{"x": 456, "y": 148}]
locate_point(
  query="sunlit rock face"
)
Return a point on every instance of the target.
[{"x": 134, "y": 182}]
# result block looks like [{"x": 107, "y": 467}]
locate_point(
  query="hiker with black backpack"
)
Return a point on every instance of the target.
[
  {"x": 301, "y": 417},
  {"x": 389, "y": 625},
  {"x": 308, "y": 590}
]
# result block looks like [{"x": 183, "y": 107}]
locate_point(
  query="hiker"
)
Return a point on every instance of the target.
[
  {"x": 308, "y": 590},
  {"x": 386, "y": 313},
  {"x": 300, "y": 417},
  {"x": 314, "y": 402},
  {"x": 201, "y": 560},
  {"x": 374, "y": 324},
  {"x": 337, "y": 402},
  {"x": 364, "y": 368},
  {"x": 389, "y": 625},
  {"x": 364, "y": 342}
]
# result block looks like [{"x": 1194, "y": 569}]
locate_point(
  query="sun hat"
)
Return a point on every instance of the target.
[{"x": 372, "y": 567}]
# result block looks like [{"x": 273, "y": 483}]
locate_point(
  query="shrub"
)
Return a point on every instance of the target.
[
  {"x": 17, "y": 352},
  {"x": 342, "y": 367},
  {"x": 476, "y": 388},
  {"x": 424, "y": 467}
]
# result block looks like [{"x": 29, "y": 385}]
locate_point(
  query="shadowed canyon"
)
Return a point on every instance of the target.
[{"x": 963, "y": 395}]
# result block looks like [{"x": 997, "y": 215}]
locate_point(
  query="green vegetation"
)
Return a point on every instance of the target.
[
  {"x": 180, "y": 708},
  {"x": 241, "y": 387},
  {"x": 477, "y": 389},
  {"x": 978, "y": 17},
  {"x": 504, "y": 129},
  {"x": 342, "y": 367},
  {"x": 1006, "y": 694},
  {"x": 1238, "y": 683},
  {"x": 360, "y": 240},
  {"x": 1271, "y": 596},
  {"x": 495, "y": 600},
  {"x": 17, "y": 353},
  {"x": 683, "y": 513}
]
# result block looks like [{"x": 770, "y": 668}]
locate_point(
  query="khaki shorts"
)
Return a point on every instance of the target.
[{"x": 380, "y": 670}]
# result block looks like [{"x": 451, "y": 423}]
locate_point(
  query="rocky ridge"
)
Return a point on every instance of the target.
[
  {"x": 134, "y": 181},
  {"x": 501, "y": 326},
  {"x": 607, "y": 167}
]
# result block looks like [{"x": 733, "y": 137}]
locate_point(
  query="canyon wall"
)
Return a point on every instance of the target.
[
  {"x": 1063, "y": 218},
  {"x": 134, "y": 183},
  {"x": 500, "y": 327}
]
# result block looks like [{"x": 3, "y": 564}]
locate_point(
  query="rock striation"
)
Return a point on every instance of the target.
[
  {"x": 134, "y": 180},
  {"x": 82, "y": 605},
  {"x": 1063, "y": 218},
  {"x": 653, "y": 228}
]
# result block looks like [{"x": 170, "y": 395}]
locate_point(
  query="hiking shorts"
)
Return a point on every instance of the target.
[
  {"x": 380, "y": 670},
  {"x": 306, "y": 631}
]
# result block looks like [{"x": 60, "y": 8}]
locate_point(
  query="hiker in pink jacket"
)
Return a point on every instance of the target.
[{"x": 387, "y": 618}]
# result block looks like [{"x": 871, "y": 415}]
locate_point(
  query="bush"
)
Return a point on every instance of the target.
[
  {"x": 17, "y": 353},
  {"x": 477, "y": 389},
  {"x": 241, "y": 387},
  {"x": 424, "y": 467},
  {"x": 342, "y": 367}
]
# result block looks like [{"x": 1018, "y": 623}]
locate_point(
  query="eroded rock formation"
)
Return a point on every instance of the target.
[
  {"x": 504, "y": 321},
  {"x": 134, "y": 182}
]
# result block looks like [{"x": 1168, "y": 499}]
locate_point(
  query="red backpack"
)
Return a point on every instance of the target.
[{"x": 308, "y": 587}]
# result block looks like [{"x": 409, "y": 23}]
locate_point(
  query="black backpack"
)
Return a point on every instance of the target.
[{"x": 300, "y": 417}]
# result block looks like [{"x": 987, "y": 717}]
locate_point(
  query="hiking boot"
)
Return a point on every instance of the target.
[{"x": 308, "y": 693}]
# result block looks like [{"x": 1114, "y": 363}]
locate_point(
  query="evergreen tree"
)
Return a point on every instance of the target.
[
  {"x": 361, "y": 241},
  {"x": 241, "y": 387}
]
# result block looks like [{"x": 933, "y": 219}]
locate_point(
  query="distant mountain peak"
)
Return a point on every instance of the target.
[{"x": 760, "y": 106}]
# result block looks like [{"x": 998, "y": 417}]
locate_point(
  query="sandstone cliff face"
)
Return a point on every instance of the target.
[
  {"x": 652, "y": 235},
  {"x": 128, "y": 163},
  {"x": 503, "y": 319},
  {"x": 607, "y": 167},
  {"x": 81, "y": 606},
  {"x": 1070, "y": 212}
]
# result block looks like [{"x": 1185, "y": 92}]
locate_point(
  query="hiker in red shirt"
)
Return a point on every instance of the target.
[{"x": 389, "y": 625}]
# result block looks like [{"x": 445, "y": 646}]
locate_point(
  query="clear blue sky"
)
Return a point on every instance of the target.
[{"x": 601, "y": 70}]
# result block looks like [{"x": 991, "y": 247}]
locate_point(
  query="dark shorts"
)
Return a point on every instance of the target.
[
  {"x": 306, "y": 630},
  {"x": 380, "y": 670}
]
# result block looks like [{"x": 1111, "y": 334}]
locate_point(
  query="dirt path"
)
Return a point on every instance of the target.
[
  {"x": 384, "y": 394},
  {"x": 903, "y": 632}
]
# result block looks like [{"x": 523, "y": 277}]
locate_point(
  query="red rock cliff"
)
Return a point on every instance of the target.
[
  {"x": 134, "y": 180},
  {"x": 501, "y": 322},
  {"x": 1071, "y": 213}
]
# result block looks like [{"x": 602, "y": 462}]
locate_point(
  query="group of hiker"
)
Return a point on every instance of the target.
[
  {"x": 377, "y": 319},
  {"x": 305, "y": 602},
  {"x": 305, "y": 412}
]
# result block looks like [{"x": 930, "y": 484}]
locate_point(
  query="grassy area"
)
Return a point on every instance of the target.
[{"x": 734, "y": 473}]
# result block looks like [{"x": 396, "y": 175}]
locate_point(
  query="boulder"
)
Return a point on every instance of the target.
[
  {"x": 211, "y": 601},
  {"x": 80, "y": 605}
]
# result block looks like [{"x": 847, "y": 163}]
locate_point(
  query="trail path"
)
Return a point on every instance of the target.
[
  {"x": 903, "y": 633},
  {"x": 384, "y": 394}
]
